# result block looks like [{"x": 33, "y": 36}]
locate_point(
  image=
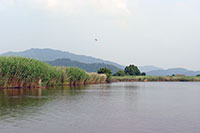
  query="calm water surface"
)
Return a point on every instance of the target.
[{"x": 108, "y": 108}]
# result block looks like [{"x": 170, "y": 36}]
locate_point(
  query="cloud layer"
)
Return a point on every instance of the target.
[{"x": 73, "y": 7}]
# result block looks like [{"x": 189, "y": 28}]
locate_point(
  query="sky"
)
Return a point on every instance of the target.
[{"x": 163, "y": 33}]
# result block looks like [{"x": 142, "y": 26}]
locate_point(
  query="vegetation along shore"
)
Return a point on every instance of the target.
[
  {"x": 132, "y": 74},
  {"x": 19, "y": 72},
  {"x": 155, "y": 79}
]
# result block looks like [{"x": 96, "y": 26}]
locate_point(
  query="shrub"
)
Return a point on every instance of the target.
[
  {"x": 132, "y": 70},
  {"x": 143, "y": 74},
  {"x": 106, "y": 71},
  {"x": 120, "y": 73}
]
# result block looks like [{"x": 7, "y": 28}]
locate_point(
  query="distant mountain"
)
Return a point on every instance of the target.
[
  {"x": 173, "y": 71},
  {"x": 51, "y": 55},
  {"x": 149, "y": 68},
  {"x": 94, "y": 67}
]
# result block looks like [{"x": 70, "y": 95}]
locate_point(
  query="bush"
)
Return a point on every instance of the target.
[
  {"x": 198, "y": 75},
  {"x": 143, "y": 74},
  {"x": 132, "y": 70},
  {"x": 120, "y": 73},
  {"x": 106, "y": 71}
]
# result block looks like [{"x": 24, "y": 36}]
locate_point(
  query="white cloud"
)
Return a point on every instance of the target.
[
  {"x": 75, "y": 7},
  {"x": 109, "y": 7}
]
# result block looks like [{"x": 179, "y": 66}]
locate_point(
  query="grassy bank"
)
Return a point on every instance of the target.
[
  {"x": 18, "y": 72},
  {"x": 154, "y": 78}
]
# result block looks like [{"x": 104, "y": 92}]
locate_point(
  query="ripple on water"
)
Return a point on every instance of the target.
[{"x": 112, "y": 108}]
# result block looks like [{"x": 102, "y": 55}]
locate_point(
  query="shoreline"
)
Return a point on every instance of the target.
[
  {"x": 123, "y": 79},
  {"x": 156, "y": 79},
  {"x": 19, "y": 72}
]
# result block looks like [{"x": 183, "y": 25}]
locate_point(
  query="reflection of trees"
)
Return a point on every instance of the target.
[
  {"x": 23, "y": 102},
  {"x": 130, "y": 90}
]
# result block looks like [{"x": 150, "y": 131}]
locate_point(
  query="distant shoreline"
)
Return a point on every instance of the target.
[
  {"x": 155, "y": 79},
  {"x": 116, "y": 79}
]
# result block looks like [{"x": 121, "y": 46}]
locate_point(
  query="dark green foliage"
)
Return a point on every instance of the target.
[
  {"x": 120, "y": 73},
  {"x": 143, "y": 74},
  {"x": 198, "y": 75},
  {"x": 106, "y": 71},
  {"x": 132, "y": 70}
]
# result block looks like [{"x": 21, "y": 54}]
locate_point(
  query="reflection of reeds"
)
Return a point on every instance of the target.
[{"x": 18, "y": 72}]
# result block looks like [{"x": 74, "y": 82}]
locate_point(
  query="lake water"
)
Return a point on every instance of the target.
[{"x": 154, "y": 107}]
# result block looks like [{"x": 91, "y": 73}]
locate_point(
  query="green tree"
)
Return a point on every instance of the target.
[
  {"x": 106, "y": 71},
  {"x": 120, "y": 73},
  {"x": 143, "y": 74},
  {"x": 132, "y": 70},
  {"x": 198, "y": 75}
]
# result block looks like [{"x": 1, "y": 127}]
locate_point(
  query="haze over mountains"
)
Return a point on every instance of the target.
[
  {"x": 149, "y": 68},
  {"x": 93, "y": 67},
  {"x": 91, "y": 64},
  {"x": 172, "y": 71},
  {"x": 51, "y": 55},
  {"x": 157, "y": 71}
]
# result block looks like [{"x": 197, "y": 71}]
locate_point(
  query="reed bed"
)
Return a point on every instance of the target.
[
  {"x": 19, "y": 72},
  {"x": 95, "y": 78},
  {"x": 76, "y": 76}
]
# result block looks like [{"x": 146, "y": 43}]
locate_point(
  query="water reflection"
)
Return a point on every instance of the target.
[
  {"x": 105, "y": 108},
  {"x": 22, "y": 102}
]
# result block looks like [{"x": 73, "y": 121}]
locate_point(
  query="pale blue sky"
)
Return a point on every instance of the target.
[{"x": 164, "y": 33}]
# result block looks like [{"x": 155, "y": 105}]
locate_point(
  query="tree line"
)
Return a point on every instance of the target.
[{"x": 130, "y": 70}]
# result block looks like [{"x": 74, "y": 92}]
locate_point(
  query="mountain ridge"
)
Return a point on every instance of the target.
[
  {"x": 48, "y": 54},
  {"x": 93, "y": 67},
  {"x": 172, "y": 71},
  {"x": 149, "y": 68}
]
